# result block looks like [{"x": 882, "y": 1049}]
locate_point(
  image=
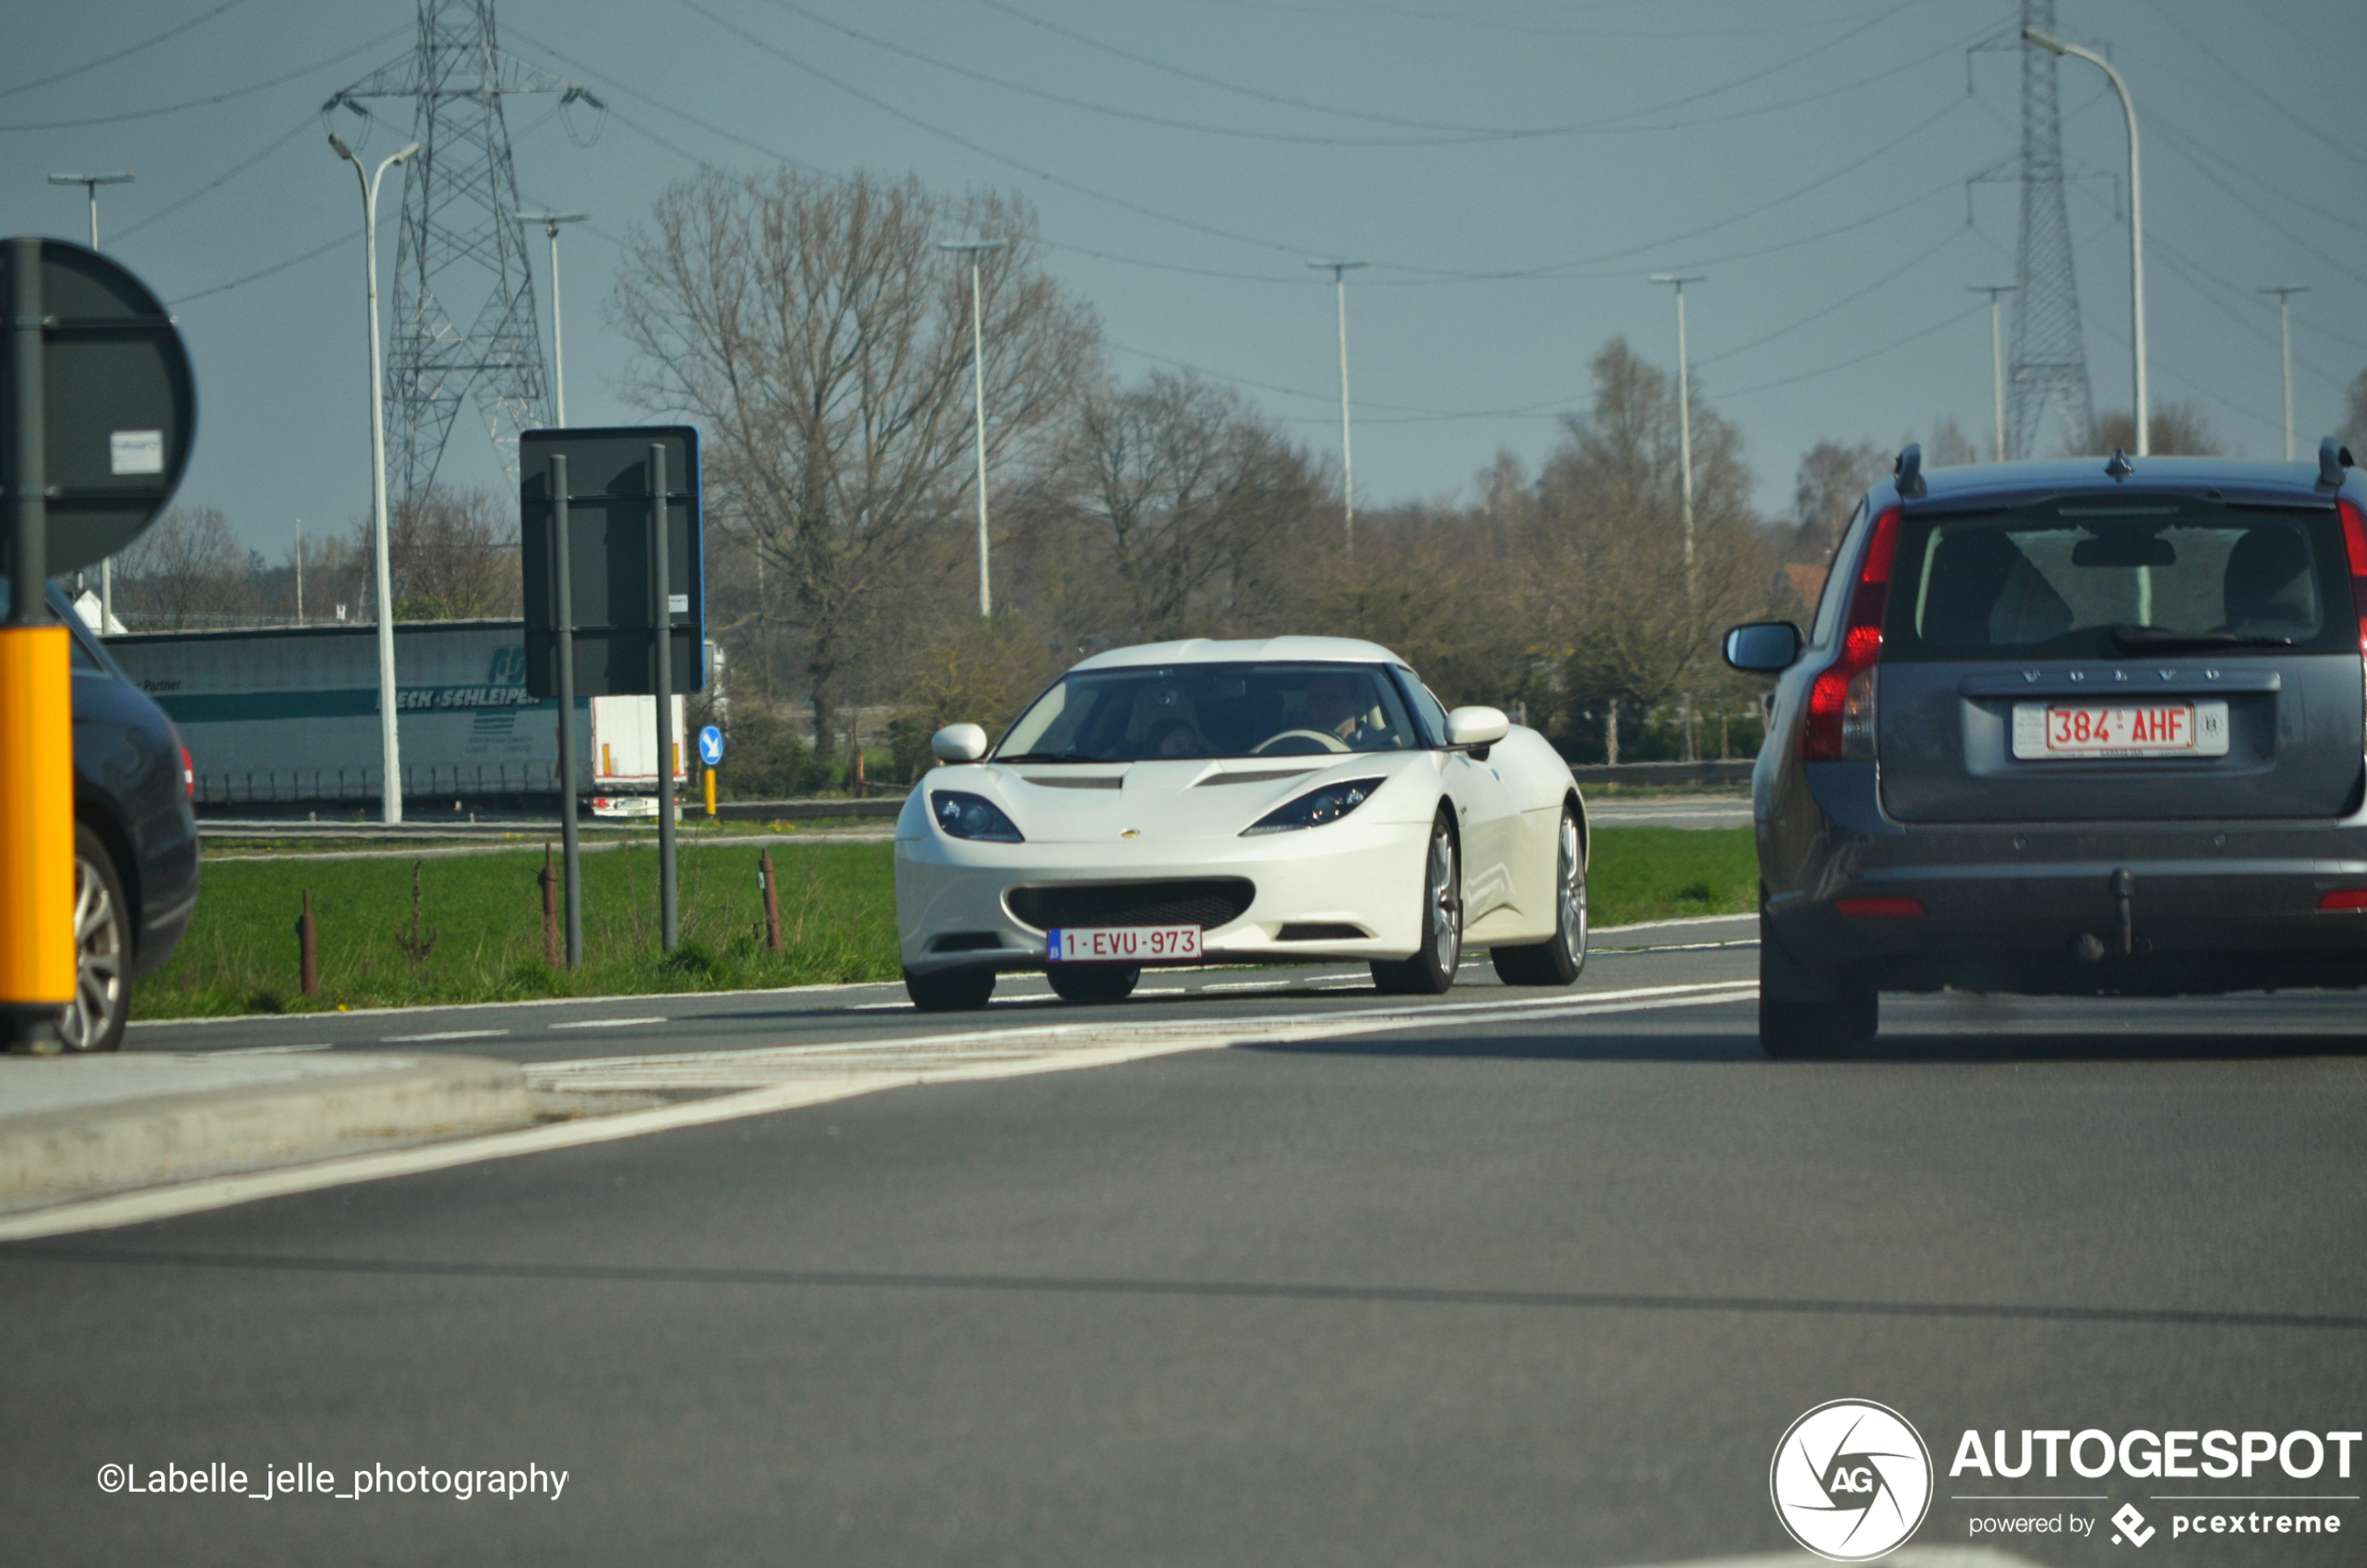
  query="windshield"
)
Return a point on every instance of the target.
[
  {"x": 1147, "y": 712},
  {"x": 2084, "y": 580}
]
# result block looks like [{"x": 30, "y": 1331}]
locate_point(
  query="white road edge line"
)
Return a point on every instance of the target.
[
  {"x": 443, "y": 1035},
  {"x": 606, "y": 1023},
  {"x": 224, "y": 1192}
]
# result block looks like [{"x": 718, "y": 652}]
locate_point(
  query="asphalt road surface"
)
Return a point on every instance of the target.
[{"x": 1525, "y": 1284}]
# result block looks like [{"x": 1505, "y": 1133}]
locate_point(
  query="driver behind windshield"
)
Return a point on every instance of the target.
[
  {"x": 1341, "y": 705},
  {"x": 1147, "y": 713}
]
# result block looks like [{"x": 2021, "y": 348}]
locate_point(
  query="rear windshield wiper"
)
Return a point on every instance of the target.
[{"x": 2158, "y": 639}]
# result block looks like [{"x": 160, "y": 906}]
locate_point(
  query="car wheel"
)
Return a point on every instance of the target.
[
  {"x": 1558, "y": 961},
  {"x": 1093, "y": 982},
  {"x": 951, "y": 990},
  {"x": 1432, "y": 971},
  {"x": 94, "y": 1020},
  {"x": 1818, "y": 1031}
]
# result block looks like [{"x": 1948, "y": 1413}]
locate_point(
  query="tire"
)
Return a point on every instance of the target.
[
  {"x": 951, "y": 990},
  {"x": 1558, "y": 960},
  {"x": 1093, "y": 982},
  {"x": 102, "y": 1004},
  {"x": 1431, "y": 972},
  {"x": 1792, "y": 1031}
]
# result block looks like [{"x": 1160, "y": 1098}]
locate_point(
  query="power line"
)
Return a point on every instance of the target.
[
  {"x": 218, "y": 98},
  {"x": 266, "y": 272},
  {"x": 1853, "y": 297},
  {"x": 2272, "y": 99},
  {"x": 125, "y": 53},
  {"x": 235, "y": 169},
  {"x": 1891, "y": 346}
]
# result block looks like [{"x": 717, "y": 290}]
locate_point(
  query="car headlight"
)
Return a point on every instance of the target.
[
  {"x": 1316, "y": 806},
  {"x": 963, "y": 815}
]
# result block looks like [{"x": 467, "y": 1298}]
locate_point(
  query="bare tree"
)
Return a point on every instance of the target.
[
  {"x": 2354, "y": 432},
  {"x": 823, "y": 341},
  {"x": 1831, "y": 479},
  {"x": 186, "y": 571},
  {"x": 1947, "y": 446},
  {"x": 454, "y": 555},
  {"x": 2176, "y": 429}
]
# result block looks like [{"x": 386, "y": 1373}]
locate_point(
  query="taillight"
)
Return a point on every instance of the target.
[
  {"x": 1880, "y": 908},
  {"x": 188, "y": 776},
  {"x": 1841, "y": 703},
  {"x": 2355, "y": 543}
]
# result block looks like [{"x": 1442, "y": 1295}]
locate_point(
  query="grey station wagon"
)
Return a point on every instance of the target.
[{"x": 2068, "y": 727}]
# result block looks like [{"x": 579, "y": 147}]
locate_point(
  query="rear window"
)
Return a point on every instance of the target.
[{"x": 2115, "y": 579}]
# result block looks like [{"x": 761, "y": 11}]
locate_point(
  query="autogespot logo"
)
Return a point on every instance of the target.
[{"x": 1851, "y": 1480}]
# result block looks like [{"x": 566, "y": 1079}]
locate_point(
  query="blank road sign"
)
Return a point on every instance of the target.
[{"x": 610, "y": 563}]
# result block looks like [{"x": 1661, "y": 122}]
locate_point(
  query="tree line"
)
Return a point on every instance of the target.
[{"x": 820, "y": 338}]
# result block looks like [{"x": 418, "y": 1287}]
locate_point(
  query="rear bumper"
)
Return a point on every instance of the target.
[{"x": 2211, "y": 908}]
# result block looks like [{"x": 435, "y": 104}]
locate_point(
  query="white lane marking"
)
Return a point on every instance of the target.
[
  {"x": 258, "y": 1051},
  {"x": 481, "y": 1006},
  {"x": 1687, "y": 919},
  {"x": 191, "y": 1197},
  {"x": 606, "y": 1023},
  {"x": 441, "y": 1034}
]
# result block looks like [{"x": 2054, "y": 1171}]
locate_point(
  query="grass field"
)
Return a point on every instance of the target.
[{"x": 838, "y": 921}]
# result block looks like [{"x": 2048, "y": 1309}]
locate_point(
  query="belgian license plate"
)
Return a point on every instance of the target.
[
  {"x": 1123, "y": 943},
  {"x": 2057, "y": 730}
]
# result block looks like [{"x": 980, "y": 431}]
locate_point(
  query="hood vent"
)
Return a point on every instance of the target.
[
  {"x": 1268, "y": 776},
  {"x": 1071, "y": 781}
]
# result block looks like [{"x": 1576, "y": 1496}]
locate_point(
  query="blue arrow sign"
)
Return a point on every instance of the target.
[{"x": 711, "y": 745}]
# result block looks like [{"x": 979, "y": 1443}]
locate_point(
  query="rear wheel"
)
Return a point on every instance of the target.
[
  {"x": 1558, "y": 961},
  {"x": 1093, "y": 982},
  {"x": 951, "y": 990},
  {"x": 94, "y": 1020},
  {"x": 1818, "y": 1031},
  {"x": 1432, "y": 971}
]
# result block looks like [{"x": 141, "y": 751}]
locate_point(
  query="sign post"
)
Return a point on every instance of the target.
[
  {"x": 615, "y": 597},
  {"x": 710, "y": 757},
  {"x": 97, "y": 414}
]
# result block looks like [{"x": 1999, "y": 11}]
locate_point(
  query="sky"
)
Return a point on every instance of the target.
[{"x": 1840, "y": 170}]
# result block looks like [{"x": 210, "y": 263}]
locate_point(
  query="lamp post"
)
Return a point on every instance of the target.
[
  {"x": 1684, "y": 413},
  {"x": 974, "y": 249},
  {"x": 1339, "y": 271},
  {"x": 1996, "y": 352},
  {"x": 2285, "y": 294},
  {"x": 2053, "y": 45},
  {"x": 91, "y": 182},
  {"x": 551, "y": 221},
  {"x": 389, "y": 748}
]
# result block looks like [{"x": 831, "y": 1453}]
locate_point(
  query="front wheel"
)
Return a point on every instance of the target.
[
  {"x": 1430, "y": 971},
  {"x": 951, "y": 990},
  {"x": 1094, "y": 982},
  {"x": 102, "y": 1004},
  {"x": 1558, "y": 961}
]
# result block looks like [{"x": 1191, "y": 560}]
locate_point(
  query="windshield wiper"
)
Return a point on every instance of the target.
[{"x": 2157, "y": 639}]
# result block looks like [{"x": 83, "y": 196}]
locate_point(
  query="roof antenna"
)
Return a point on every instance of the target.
[
  {"x": 1909, "y": 470},
  {"x": 2120, "y": 467},
  {"x": 2332, "y": 457}
]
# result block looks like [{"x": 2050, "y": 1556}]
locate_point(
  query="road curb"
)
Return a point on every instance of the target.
[{"x": 77, "y": 1150}]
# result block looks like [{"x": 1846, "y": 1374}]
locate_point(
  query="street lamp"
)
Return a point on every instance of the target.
[
  {"x": 2285, "y": 294},
  {"x": 391, "y": 751},
  {"x": 1339, "y": 271},
  {"x": 974, "y": 248},
  {"x": 551, "y": 221},
  {"x": 91, "y": 182},
  {"x": 1684, "y": 412},
  {"x": 2053, "y": 45},
  {"x": 1996, "y": 350}
]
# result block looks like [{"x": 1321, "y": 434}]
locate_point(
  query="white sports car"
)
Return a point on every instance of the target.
[{"x": 1239, "y": 802}]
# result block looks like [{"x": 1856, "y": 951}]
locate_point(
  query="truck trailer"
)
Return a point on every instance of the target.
[{"x": 289, "y": 716}]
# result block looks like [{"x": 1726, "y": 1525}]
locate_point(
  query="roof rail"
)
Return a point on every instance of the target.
[
  {"x": 2332, "y": 457},
  {"x": 1909, "y": 470}
]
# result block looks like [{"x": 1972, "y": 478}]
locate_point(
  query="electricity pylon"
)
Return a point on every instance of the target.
[
  {"x": 2048, "y": 384},
  {"x": 461, "y": 257}
]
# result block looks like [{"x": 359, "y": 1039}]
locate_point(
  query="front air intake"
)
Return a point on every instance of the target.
[{"x": 1207, "y": 903}]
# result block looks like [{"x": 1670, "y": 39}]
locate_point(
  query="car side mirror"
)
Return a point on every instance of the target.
[
  {"x": 1764, "y": 648},
  {"x": 1476, "y": 728},
  {"x": 958, "y": 742}
]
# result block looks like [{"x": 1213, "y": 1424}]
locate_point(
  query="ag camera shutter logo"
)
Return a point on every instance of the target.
[{"x": 1850, "y": 1481}]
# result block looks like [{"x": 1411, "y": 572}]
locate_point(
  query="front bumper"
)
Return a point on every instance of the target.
[{"x": 1350, "y": 873}]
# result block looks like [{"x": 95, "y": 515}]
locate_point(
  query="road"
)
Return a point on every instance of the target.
[{"x": 1510, "y": 1287}]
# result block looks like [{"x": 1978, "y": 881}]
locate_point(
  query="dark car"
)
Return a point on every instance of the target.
[
  {"x": 2074, "y": 727},
  {"x": 135, "y": 839}
]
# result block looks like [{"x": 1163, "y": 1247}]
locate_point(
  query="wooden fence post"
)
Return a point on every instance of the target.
[
  {"x": 308, "y": 949},
  {"x": 772, "y": 902},
  {"x": 550, "y": 881}
]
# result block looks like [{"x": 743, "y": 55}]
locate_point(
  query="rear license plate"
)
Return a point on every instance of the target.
[
  {"x": 2060, "y": 730},
  {"x": 1123, "y": 943}
]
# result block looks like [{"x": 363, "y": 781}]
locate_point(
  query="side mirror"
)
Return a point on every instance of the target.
[
  {"x": 1764, "y": 648},
  {"x": 958, "y": 742},
  {"x": 1476, "y": 726}
]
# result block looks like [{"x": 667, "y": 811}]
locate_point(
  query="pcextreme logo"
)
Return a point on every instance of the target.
[{"x": 1850, "y": 1481}]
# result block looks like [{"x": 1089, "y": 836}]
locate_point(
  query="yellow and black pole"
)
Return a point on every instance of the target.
[{"x": 36, "y": 707}]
